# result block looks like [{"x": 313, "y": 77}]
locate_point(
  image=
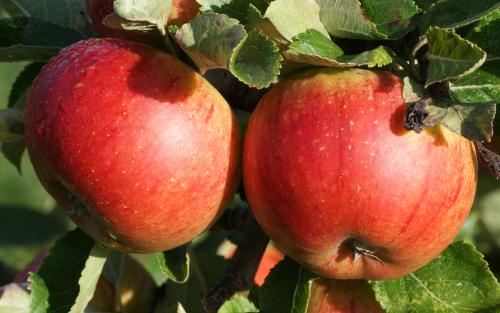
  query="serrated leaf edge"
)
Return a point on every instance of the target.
[
  {"x": 482, "y": 263},
  {"x": 236, "y": 49},
  {"x": 471, "y": 44}
]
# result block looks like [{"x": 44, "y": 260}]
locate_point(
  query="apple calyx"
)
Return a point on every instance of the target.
[
  {"x": 360, "y": 249},
  {"x": 416, "y": 115}
]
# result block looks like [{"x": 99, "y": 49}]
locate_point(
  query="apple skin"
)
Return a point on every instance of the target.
[
  {"x": 342, "y": 296},
  {"x": 149, "y": 147},
  {"x": 327, "y": 162},
  {"x": 182, "y": 11}
]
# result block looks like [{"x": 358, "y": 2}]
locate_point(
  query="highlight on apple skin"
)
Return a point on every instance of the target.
[
  {"x": 145, "y": 143},
  {"x": 336, "y": 181}
]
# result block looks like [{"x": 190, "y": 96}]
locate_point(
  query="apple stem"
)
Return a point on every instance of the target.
[
  {"x": 241, "y": 269},
  {"x": 414, "y": 65},
  {"x": 360, "y": 249}
]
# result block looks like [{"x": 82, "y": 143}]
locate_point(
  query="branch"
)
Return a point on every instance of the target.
[{"x": 241, "y": 269}]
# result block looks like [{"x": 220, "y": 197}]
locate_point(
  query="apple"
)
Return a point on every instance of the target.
[
  {"x": 145, "y": 143},
  {"x": 342, "y": 296},
  {"x": 336, "y": 181},
  {"x": 182, "y": 11}
]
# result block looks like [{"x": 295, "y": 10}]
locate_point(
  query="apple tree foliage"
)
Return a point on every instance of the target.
[{"x": 447, "y": 51}]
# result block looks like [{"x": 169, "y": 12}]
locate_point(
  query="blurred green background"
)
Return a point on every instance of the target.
[{"x": 30, "y": 221}]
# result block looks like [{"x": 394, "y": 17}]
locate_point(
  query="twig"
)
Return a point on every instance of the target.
[
  {"x": 413, "y": 57},
  {"x": 241, "y": 269}
]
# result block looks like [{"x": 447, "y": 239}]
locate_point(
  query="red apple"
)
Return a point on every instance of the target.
[
  {"x": 143, "y": 141},
  {"x": 336, "y": 181},
  {"x": 182, "y": 11},
  {"x": 342, "y": 296}
]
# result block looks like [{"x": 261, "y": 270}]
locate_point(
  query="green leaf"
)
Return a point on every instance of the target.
[
  {"x": 175, "y": 264},
  {"x": 412, "y": 90},
  {"x": 207, "y": 269},
  {"x": 456, "y": 13},
  {"x": 456, "y": 281},
  {"x": 115, "y": 21},
  {"x": 11, "y": 125},
  {"x": 236, "y": 9},
  {"x": 14, "y": 299},
  {"x": 347, "y": 19},
  {"x": 313, "y": 48},
  {"x": 256, "y": 61},
  {"x": 154, "y": 12},
  {"x": 22, "y": 84},
  {"x": 33, "y": 39},
  {"x": 209, "y": 39},
  {"x": 12, "y": 8},
  {"x": 369, "y": 19},
  {"x": 392, "y": 18},
  {"x": 68, "y": 13},
  {"x": 450, "y": 56},
  {"x": 482, "y": 85},
  {"x": 471, "y": 120},
  {"x": 14, "y": 151},
  {"x": 16, "y": 53},
  {"x": 287, "y": 288},
  {"x": 292, "y": 17},
  {"x": 380, "y": 56},
  {"x": 36, "y": 32},
  {"x": 237, "y": 304},
  {"x": 68, "y": 276},
  {"x": 486, "y": 34}
]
